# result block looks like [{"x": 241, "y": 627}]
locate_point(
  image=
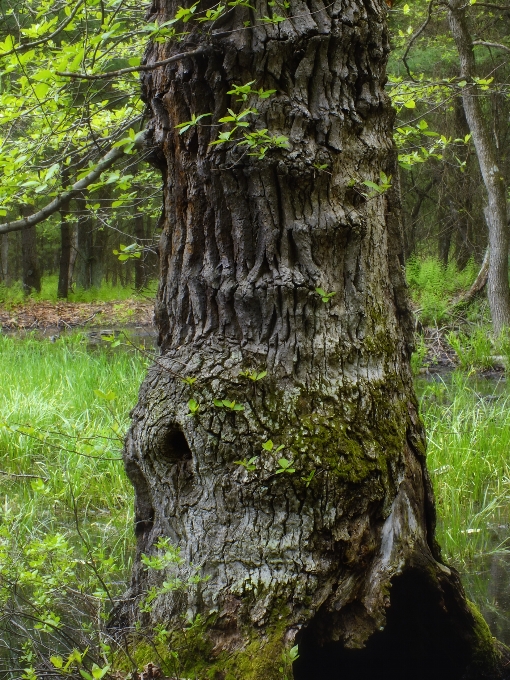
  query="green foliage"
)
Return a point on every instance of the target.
[
  {"x": 269, "y": 446},
  {"x": 253, "y": 375},
  {"x": 325, "y": 297},
  {"x": 288, "y": 657},
  {"x": 285, "y": 465},
  {"x": 131, "y": 252},
  {"x": 193, "y": 406},
  {"x": 380, "y": 188},
  {"x": 249, "y": 465},
  {"x": 432, "y": 285},
  {"x": 418, "y": 356},
  {"x": 229, "y": 405}
]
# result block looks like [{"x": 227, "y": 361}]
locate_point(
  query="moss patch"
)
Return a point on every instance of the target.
[{"x": 485, "y": 654}]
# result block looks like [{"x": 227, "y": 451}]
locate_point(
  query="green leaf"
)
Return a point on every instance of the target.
[
  {"x": 98, "y": 673},
  {"x": 57, "y": 661},
  {"x": 193, "y": 406},
  {"x": 108, "y": 396}
]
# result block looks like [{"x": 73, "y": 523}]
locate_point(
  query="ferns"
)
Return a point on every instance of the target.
[{"x": 432, "y": 285}]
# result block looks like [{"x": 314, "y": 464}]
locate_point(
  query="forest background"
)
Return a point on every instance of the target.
[{"x": 69, "y": 109}]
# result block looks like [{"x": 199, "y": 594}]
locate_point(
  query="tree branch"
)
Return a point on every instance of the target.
[
  {"x": 27, "y": 46},
  {"x": 491, "y": 44},
  {"x": 131, "y": 69},
  {"x": 415, "y": 37},
  {"x": 106, "y": 162},
  {"x": 490, "y": 5}
]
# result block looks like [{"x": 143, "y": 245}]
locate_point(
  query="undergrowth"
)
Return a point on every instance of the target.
[{"x": 433, "y": 285}]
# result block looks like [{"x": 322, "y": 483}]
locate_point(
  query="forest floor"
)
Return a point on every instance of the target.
[{"x": 42, "y": 315}]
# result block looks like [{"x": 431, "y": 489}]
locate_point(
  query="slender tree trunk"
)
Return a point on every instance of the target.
[
  {"x": 65, "y": 248},
  {"x": 4, "y": 259},
  {"x": 98, "y": 256},
  {"x": 338, "y": 553},
  {"x": 140, "y": 239},
  {"x": 31, "y": 274},
  {"x": 65, "y": 257},
  {"x": 498, "y": 291},
  {"x": 84, "y": 233},
  {"x": 74, "y": 253}
]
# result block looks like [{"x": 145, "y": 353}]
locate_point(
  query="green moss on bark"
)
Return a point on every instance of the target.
[{"x": 486, "y": 656}]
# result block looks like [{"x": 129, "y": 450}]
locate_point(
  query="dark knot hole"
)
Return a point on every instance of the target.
[{"x": 175, "y": 446}]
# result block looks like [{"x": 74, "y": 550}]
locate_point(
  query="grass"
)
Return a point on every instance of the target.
[
  {"x": 106, "y": 293},
  {"x": 66, "y": 539},
  {"x": 468, "y": 431}
]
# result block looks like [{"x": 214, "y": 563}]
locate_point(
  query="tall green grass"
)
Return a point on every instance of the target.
[
  {"x": 468, "y": 432},
  {"x": 66, "y": 538},
  {"x": 11, "y": 295}
]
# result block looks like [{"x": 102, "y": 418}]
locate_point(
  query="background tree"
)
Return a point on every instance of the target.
[{"x": 462, "y": 184}]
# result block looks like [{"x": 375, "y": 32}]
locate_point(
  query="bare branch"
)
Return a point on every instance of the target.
[
  {"x": 11, "y": 474},
  {"x": 27, "y": 46},
  {"x": 131, "y": 69},
  {"x": 498, "y": 46},
  {"x": 415, "y": 37},
  {"x": 106, "y": 162},
  {"x": 490, "y": 5}
]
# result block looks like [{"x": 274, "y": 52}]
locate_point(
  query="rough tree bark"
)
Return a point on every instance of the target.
[
  {"x": 339, "y": 556},
  {"x": 498, "y": 291}
]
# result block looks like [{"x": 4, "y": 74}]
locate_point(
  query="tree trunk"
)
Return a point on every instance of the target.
[
  {"x": 498, "y": 291},
  {"x": 100, "y": 238},
  {"x": 65, "y": 250},
  {"x": 31, "y": 274},
  {"x": 84, "y": 233},
  {"x": 338, "y": 556},
  {"x": 139, "y": 232},
  {"x": 4, "y": 259}
]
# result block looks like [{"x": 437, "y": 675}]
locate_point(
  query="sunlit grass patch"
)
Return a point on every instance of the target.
[{"x": 11, "y": 295}]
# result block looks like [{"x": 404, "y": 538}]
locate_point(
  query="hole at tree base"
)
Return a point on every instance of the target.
[
  {"x": 420, "y": 642},
  {"x": 175, "y": 446}
]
